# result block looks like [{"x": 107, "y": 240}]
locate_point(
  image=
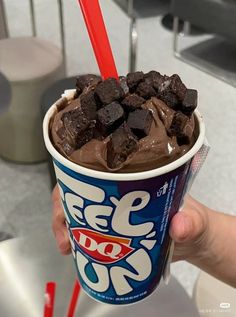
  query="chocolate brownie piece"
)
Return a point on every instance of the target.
[
  {"x": 132, "y": 102},
  {"x": 109, "y": 90},
  {"x": 89, "y": 104},
  {"x": 154, "y": 79},
  {"x": 164, "y": 84},
  {"x": 109, "y": 118},
  {"x": 140, "y": 122},
  {"x": 78, "y": 128},
  {"x": 172, "y": 91},
  {"x": 65, "y": 141},
  {"x": 170, "y": 99},
  {"x": 189, "y": 103},
  {"x": 84, "y": 81},
  {"x": 86, "y": 135},
  {"x": 122, "y": 143},
  {"x": 145, "y": 91},
  {"x": 133, "y": 79},
  {"x": 74, "y": 121},
  {"x": 177, "y": 128},
  {"x": 177, "y": 87}
]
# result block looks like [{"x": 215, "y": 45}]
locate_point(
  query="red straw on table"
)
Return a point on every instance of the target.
[
  {"x": 49, "y": 299},
  {"x": 98, "y": 37},
  {"x": 74, "y": 299}
]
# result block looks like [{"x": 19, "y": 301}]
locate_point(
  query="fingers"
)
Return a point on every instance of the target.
[{"x": 58, "y": 223}]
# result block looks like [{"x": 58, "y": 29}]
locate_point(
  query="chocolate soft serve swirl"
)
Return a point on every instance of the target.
[{"x": 158, "y": 148}]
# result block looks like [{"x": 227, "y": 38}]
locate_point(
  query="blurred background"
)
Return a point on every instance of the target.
[{"x": 44, "y": 45}]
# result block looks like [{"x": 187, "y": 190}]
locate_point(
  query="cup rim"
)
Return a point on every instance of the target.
[{"x": 120, "y": 176}]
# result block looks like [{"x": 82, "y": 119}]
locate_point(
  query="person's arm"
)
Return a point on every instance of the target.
[{"x": 207, "y": 239}]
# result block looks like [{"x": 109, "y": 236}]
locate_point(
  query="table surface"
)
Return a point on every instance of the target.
[
  {"x": 215, "y": 298},
  {"x": 5, "y": 93},
  {"x": 27, "y": 264}
]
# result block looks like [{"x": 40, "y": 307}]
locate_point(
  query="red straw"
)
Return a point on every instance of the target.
[
  {"x": 98, "y": 37},
  {"x": 49, "y": 299},
  {"x": 73, "y": 300}
]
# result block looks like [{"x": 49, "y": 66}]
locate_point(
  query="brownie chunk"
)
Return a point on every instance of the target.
[
  {"x": 109, "y": 90},
  {"x": 120, "y": 146},
  {"x": 177, "y": 87},
  {"x": 71, "y": 143},
  {"x": 109, "y": 118},
  {"x": 86, "y": 135},
  {"x": 145, "y": 91},
  {"x": 84, "y": 81},
  {"x": 170, "y": 99},
  {"x": 132, "y": 102},
  {"x": 74, "y": 121},
  {"x": 78, "y": 129},
  {"x": 65, "y": 141},
  {"x": 154, "y": 79},
  {"x": 140, "y": 122},
  {"x": 177, "y": 128},
  {"x": 133, "y": 79},
  {"x": 172, "y": 91},
  {"x": 89, "y": 104},
  {"x": 189, "y": 103}
]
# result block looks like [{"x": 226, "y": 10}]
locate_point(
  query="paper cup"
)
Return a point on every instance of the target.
[{"x": 118, "y": 223}]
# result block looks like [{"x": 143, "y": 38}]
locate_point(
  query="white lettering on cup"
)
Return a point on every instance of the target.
[
  {"x": 85, "y": 190},
  {"x": 101, "y": 271},
  {"x": 115, "y": 249},
  {"x": 87, "y": 242},
  {"x": 92, "y": 214},
  {"x": 109, "y": 249},
  {"x": 124, "y": 207},
  {"x": 142, "y": 264},
  {"x": 117, "y": 274},
  {"x": 74, "y": 203}
]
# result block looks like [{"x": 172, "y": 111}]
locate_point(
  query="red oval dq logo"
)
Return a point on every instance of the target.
[{"x": 103, "y": 248}]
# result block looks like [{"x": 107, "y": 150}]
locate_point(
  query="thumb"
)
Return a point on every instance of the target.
[
  {"x": 189, "y": 229},
  {"x": 191, "y": 223},
  {"x": 181, "y": 229}
]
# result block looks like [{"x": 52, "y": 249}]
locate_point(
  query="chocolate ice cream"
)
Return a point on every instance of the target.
[{"x": 141, "y": 122}]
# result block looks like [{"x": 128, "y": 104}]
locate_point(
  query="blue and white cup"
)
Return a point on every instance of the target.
[{"x": 118, "y": 223}]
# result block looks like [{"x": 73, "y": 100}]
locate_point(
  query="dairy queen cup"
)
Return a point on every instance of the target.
[{"x": 118, "y": 223}]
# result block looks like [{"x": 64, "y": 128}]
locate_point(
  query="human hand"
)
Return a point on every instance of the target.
[
  {"x": 58, "y": 223},
  {"x": 190, "y": 230}
]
